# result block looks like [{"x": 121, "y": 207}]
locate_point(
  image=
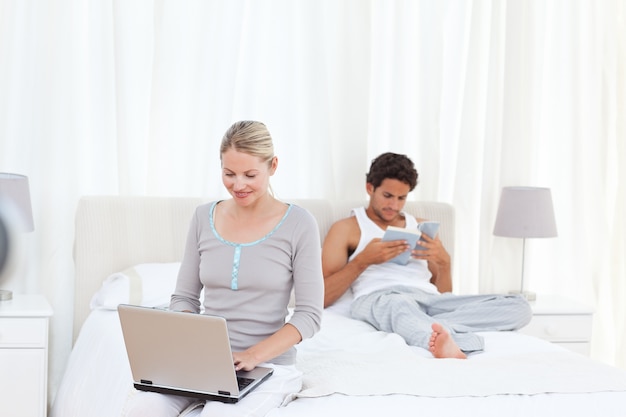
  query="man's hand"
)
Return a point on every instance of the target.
[
  {"x": 438, "y": 262},
  {"x": 434, "y": 252},
  {"x": 379, "y": 251}
]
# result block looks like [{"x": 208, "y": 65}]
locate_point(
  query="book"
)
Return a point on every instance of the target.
[{"x": 412, "y": 236}]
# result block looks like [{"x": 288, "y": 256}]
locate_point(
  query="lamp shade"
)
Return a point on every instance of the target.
[
  {"x": 525, "y": 212},
  {"x": 14, "y": 189}
]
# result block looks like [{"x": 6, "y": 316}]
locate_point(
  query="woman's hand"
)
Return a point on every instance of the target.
[
  {"x": 244, "y": 361},
  {"x": 267, "y": 349}
]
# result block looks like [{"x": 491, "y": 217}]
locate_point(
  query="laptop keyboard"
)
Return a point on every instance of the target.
[{"x": 243, "y": 382}]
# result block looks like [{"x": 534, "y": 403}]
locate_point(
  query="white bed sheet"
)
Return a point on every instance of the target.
[
  {"x": 574, "y": 385},
  {"x": 98, "y": 382}
]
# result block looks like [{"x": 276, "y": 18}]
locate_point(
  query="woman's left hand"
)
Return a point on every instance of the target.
[{"x": 244, "y": 361}]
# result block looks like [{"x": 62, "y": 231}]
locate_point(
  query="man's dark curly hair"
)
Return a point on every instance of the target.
[{"x": 393, "y": 166}]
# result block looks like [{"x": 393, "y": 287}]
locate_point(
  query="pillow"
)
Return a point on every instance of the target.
[{"x": 150, "y": 285}]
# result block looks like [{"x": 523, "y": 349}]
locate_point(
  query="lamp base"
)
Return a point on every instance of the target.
[
  {"x": 528, "y": 295},
  {"x": 6, "y": 295}
]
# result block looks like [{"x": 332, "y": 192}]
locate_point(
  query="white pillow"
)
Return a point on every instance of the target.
[{"x": 150, "y": 285}]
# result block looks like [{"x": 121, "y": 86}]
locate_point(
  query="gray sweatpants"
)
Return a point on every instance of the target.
[{"x": 409, "y": 312}]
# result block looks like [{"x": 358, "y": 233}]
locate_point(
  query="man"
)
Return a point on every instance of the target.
[{"x": 413, "y": 300}]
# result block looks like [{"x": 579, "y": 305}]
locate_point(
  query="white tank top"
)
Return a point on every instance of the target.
[{"x": 376, "y": 277}]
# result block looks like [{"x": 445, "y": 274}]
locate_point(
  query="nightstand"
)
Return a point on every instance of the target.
[
  {"x": 562, "y": 321},
  {"x": 24, "y": 356}
]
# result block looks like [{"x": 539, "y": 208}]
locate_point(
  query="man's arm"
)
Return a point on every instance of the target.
[
  {"x": 442, "y": 276},
  {"x": 338, "y": 273},
  {"x": 341, "y": 240}
]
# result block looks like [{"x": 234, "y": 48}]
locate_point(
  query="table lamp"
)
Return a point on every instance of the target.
[
  {"x": 525, "y": 212},
  {"x": 16, "y": 215}
]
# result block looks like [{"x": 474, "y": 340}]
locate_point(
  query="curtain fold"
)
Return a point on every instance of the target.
[{"x": 118, "y": 97}]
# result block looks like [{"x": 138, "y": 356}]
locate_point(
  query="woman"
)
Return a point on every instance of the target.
[{"x": 248, "y": 253}]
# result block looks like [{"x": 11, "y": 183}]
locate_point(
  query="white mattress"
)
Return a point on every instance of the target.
[{"x": 350, "y": 369}]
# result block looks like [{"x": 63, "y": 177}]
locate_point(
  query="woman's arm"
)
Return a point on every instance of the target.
[
  {"x": 188, "y": 286},
  {"x": 308, "y": 281},
  {"x": 276, "y": 344}
]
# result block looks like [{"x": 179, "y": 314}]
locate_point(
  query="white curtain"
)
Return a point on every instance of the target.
[{"x": 132, "y": 97}]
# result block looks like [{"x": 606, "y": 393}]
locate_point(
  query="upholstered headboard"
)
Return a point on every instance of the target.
[{"x": 113, "y": 233}]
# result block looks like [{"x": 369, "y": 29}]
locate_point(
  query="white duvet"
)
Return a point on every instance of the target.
[
  {"x": 348, "y": 357},
  {"x": 351, "y": 369}
]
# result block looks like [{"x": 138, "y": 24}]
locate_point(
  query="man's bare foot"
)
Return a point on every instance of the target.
[{"x": 441, "y": 345}]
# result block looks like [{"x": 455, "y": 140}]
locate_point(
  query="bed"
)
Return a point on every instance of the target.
[{"x": 127, "y": 249}]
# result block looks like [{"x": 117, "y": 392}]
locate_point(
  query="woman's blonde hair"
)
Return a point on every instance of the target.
[{"x": 249, "y": 137}]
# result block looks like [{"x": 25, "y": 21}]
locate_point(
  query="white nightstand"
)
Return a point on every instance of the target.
[
  {"x": 24, "y": 356},
  {"x": 561, "y": 321}
]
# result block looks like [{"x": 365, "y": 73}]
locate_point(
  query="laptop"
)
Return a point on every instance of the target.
[{"x": 184, "y": 354}]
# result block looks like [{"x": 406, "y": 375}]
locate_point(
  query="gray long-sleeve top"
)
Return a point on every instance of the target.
[{"x": 250, "y": 284}]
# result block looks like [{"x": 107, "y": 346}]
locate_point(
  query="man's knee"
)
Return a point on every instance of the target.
[{"x": 523, "y": 313}]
